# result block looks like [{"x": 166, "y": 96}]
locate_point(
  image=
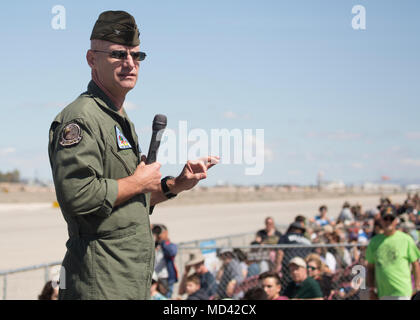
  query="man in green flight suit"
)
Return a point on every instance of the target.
[{"x": 104, "y": 188}]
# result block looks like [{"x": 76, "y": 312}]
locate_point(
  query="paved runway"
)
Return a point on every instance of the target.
[{"x": 36, "y": 233}]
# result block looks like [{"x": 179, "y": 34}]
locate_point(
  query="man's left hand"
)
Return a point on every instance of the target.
[{"x": 193, "y": 172}]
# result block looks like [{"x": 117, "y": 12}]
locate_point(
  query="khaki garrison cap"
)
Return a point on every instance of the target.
[{"x": 117, "y": 27}]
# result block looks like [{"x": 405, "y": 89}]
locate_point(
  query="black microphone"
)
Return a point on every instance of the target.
[{"x": 159, "y": 125}]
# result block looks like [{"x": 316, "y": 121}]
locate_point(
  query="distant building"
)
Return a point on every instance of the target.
[
  {"x": 381, "y": 187},
  {"x": 413, "y": 188},
  {"x": 333, "y": 186}
]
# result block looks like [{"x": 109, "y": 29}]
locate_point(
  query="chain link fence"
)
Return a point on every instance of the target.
[
  {"x": 26, "y": 283},
  {"x": 237, "y": 269}
]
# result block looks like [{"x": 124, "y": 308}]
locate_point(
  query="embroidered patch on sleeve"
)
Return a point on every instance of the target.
[
  {"x": 70, "y": 135},
  {"x": 121, "y": 140}
]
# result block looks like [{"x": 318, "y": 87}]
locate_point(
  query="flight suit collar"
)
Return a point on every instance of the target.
[
  {"x": 122, "y": 118},
  {"x": 104, "y": 100}
]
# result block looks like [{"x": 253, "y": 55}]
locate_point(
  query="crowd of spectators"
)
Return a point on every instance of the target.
[{"x": 315, "y": 258}]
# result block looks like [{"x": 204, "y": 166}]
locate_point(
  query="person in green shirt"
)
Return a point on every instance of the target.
[
  {"x": 302, "y": 286},
  {"x": 103, "y": 185},
  {"x": 389, "y": 256}
]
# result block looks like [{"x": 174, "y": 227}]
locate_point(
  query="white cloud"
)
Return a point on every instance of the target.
[
  {"x": 309, "y": 156},
  {"x": 312, "y": 134},
  {"x": 357, "y": 165},
  {"x": 230, "y": 115},
  {"x": 6, "y": 151},
  {"x": 29, "y": 162},
  {"x": 295, "y": 172},
  {"x": 234, "y": 115},
  {"x": 341, "y": 135},
  {"x": 128, "y": 105},
  {"x": 411, "y": 162},
  {"x": 337, "y": 135},
  {"x": 55, "y": 104}
]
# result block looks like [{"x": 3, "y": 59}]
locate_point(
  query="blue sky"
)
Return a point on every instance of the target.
[{"x": 329, "y": 98}]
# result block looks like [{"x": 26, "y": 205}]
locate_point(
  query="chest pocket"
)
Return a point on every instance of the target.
[{"x": 121, "y": 159}]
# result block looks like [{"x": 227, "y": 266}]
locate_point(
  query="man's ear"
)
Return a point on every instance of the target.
[{"x": 90, "y": 58}]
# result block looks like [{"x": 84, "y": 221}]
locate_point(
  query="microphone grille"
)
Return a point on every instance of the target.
[{"x": 159, "y": 122}]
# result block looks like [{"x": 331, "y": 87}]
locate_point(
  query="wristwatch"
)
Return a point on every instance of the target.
[{"x": 168, "y": 194}]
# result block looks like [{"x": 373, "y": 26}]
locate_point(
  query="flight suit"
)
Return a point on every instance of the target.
[{"x": 110, "y": 250}]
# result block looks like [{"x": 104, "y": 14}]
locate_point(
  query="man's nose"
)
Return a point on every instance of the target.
[{"x": 129, "y": 61}]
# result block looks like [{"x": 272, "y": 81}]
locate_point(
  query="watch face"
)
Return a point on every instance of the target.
[{"x": 165, "y": 188}]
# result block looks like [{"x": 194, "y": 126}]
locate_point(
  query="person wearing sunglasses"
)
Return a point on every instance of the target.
[
  {"x": 319, "y": 271},
  {"x": 390, "y": 256},
  {"x": 104, "y": 187},
  {"x": 302, "y": 286}
]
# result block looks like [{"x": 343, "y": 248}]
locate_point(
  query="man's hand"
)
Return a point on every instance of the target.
[
  {"x": 148, "y": 176},
  {"x": 193, "y": 172}
]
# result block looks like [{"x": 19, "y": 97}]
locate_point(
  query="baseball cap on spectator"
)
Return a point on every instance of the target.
[
  {"x": 389, "y": 211},
  {"x": 195, "y": 257},
  {"x": 298, "y": 261},
  {"x": 226, "y": 251}
]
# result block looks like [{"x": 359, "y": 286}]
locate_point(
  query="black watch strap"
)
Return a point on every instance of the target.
[{"x": 168, "y": 194}]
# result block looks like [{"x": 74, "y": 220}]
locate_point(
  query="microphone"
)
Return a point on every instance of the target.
[{"x": 159, "y": 125}]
